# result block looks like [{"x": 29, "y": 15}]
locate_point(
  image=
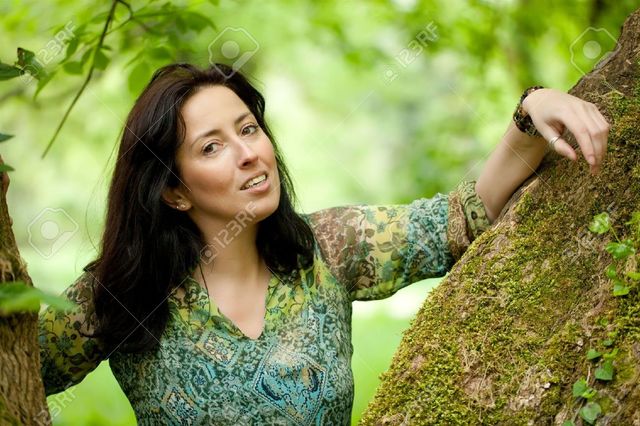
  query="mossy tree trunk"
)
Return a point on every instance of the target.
[
  {"x": 504, "y": 337},
  {"x": 22, "y": 398}
]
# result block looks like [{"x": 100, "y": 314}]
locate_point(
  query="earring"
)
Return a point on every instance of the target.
[{"x": 181, "y": 206}]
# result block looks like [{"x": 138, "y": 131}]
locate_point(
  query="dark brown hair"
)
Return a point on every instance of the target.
[{"x": 147, "y": 247}]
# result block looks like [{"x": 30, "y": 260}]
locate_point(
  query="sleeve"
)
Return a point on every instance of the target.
[
  {"x": 377, "y": 250},
  {"x": 66, "y": 356}
]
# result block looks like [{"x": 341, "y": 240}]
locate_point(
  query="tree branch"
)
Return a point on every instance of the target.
[{"x": 108, "y": 21}]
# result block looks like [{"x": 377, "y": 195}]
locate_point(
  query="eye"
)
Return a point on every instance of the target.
[
  {"x": 250, "y": 126},
  {"x": 210, "y": 148}
]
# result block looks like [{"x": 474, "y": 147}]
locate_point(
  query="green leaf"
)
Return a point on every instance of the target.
[
  {"x": 620, "y": 288},
  {"x": 590, "y": 412},
  {"x": 15, "y": 296},
  {"x": 6, "y": 168},
  {"x": 73, "y": 68},
  {"x": 4, "y": 137},
  {"x": 611, "y": 272},
  {"x": 589, "y": 393},
  {"x": 579, "y": 387},
  {"x": 101, "y": 60},
  {"x": 635, "y": 219},
  {"x": 611, "y": 355},
  {"x": 43, "y": 82},
  {"x": 568, "y": 423},
  {"x": 607, "y": 343},
  {"x": 9, "y": 71},
  {"x": 29, "y": 63},
  {"x": 86, "y": 55},
  {"x": 160, "y": 53},
  {"x": 600, "y": 223},
  {"x": 621, "y": 250},
  {"x": 72, "y": 47},
  {"x": 635, "y": 276},
  {"x": 139, "y": 77},
  {"x": 605, "y": 371},
  {"x": 593, "y": 354}
]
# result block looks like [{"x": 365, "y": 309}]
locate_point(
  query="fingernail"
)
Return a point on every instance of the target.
[{"x": 591, "y": 160}]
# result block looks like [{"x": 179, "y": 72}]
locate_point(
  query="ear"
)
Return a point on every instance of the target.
[{"x": 176, "y": 199}]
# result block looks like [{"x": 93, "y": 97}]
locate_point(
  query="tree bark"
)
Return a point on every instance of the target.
[
  {"x": 22, "y": 398},
  {"x": 504, "y": 337}
]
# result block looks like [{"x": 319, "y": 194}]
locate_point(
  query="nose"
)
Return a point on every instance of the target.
[{"x": 246, "y": 154}]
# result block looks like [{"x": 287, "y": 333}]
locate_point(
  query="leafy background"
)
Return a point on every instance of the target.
[{"x": 373, "y": 102}]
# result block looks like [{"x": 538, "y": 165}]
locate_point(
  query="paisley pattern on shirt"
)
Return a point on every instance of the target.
[{"x": 298, "y": 371}]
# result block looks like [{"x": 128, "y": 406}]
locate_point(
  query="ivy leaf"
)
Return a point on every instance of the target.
[
  {"x": 600, "y": 223},
  {"x": 4, "y": 137},
  {"x": 9, "y": 71},
  {"x": 620, "y": 288},
  {"x": 607, "y": 342},
  {"x": 6, "y": 168},
  {"x": 621, "y": 250},
  {"x": 590, "y": 412},
  {"x": 635, "y": 219},
  {"x": 568, "y": 423},
  {"x": 579, "y": 387},
  {"x": 589, "y": 393},
  {"x": 611, "y": 272},
  {"x": 611, "y": 354},
  {"x": 635, "y": 276},
  {"x": 593, "y": 354},
  {"x": 15, "y": 296},
  {"x": 605, "y": 371}
]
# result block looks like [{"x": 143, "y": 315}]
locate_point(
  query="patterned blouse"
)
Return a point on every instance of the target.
[{"x": 298, "y": 371}]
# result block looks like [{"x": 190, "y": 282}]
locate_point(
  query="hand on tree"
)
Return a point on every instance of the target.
[{"x": 553, "y": 111}]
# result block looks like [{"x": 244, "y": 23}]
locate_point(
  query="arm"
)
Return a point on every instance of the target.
[
  {"x": 374, "y": 251},
  {"x": 518, "y": 155},
  {"x": 66, "y": 354}
]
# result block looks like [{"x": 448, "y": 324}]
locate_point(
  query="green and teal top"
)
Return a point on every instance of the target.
[{"x": 298, "y": 372}]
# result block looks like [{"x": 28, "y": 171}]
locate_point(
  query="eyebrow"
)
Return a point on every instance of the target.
[{"x": 216, "y": 131}]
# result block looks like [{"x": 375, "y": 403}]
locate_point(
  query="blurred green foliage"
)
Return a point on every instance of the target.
[{"x": 373, "y": 102}]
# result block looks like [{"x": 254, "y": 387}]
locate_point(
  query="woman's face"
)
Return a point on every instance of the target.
[{"x": 223, "y": 148}]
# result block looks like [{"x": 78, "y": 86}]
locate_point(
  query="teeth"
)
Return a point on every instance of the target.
[{"x": 254, "y": 181}]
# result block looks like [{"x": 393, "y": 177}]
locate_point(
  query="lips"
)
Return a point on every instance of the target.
[{"x": 242, "y": 187}]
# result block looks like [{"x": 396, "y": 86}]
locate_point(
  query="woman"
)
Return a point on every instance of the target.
[{"x": 217, "y": 303}]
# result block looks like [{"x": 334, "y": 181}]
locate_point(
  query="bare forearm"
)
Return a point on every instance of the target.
[{"x": 514, "y": 159}]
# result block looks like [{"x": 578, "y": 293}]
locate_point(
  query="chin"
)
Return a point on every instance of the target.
[{"x": 264, "y": 211}]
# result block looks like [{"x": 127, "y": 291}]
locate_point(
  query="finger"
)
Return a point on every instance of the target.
[
  {"x": 602, "y": 134},
  {"x": 576, "y": 124},
  {"x": 597, "y": 132},
  {"x": 561, "y": 146}
]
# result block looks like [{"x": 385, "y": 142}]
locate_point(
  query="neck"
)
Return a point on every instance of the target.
[{"x": 232, "y": 258}]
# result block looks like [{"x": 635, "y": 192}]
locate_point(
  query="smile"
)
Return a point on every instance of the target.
[{"x": 254, "y": 182}]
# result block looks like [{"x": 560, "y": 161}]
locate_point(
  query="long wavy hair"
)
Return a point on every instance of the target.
[{"x": 148, "y": 248}]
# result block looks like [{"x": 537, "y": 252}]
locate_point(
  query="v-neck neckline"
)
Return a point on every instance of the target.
[{"x": 216, "y": 315}]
